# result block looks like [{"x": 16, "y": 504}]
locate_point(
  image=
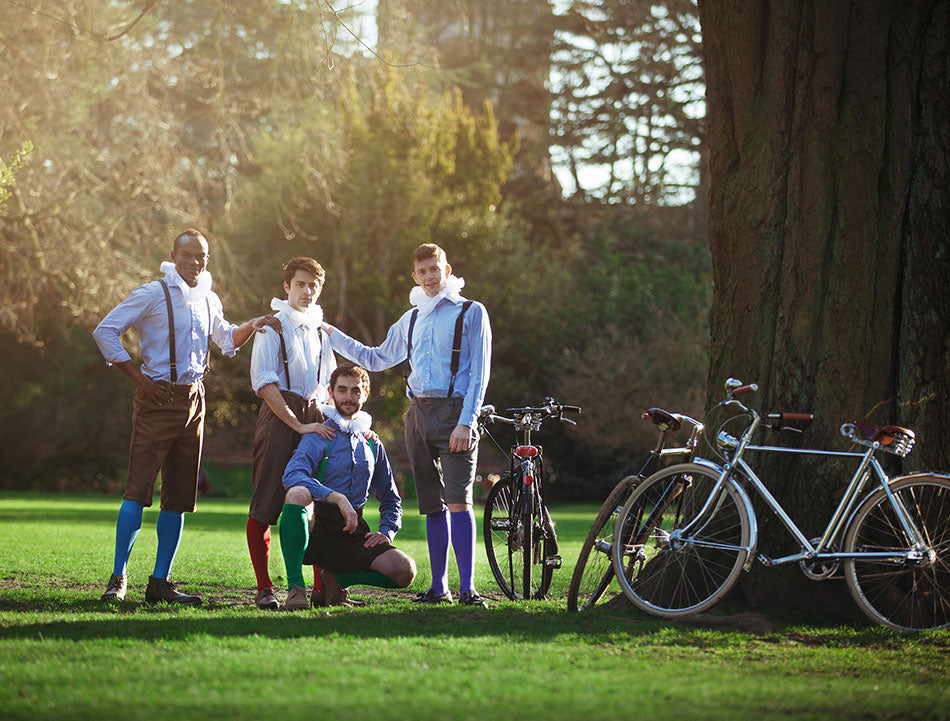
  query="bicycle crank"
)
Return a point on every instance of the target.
[{"x": 819, "y": 570}]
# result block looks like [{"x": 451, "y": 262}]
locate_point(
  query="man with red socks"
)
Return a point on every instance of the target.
[{"x": 290, "y": 371}]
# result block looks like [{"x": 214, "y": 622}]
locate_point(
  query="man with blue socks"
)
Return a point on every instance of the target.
[
  {"x": 446, "y": 343},
  {"x": 176, "y": 318}
]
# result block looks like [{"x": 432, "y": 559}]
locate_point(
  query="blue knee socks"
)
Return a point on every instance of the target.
[
  {"x": 127, "y": 528},
  {"x": 437, "y": 539},
  {"x": 463, "y": 543},
  {"x": 168, "y": 528}
]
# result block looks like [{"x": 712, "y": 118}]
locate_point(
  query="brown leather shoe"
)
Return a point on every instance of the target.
[
  {"x": 335, "y": 594},
  {"x": 297, "y": 599},
  {"x": 266, "y": 599},
  {"x": 161, "y": 589},
  {"x": 318, "y": 597},
  {"x": 115, "y": 591}
]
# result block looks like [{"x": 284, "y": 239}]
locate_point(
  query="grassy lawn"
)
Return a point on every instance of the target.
[{"x": 64, "y": 655}]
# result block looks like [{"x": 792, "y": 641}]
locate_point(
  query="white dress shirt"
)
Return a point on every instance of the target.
[{"x": 309, "y": 373}]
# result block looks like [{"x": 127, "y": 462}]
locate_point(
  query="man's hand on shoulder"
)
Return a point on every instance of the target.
[
  {"x": 327, "y": 328},
  {"x": 370, "y": 435},
  {"x": 376, "y": 539},
  {"x": 262, "y": 322},
  {"x": 319, "y": 428},
  {"x": 461, "y": 439}
]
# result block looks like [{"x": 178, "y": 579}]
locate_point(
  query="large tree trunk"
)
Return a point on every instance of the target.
[{"x": 829, "y": 133}]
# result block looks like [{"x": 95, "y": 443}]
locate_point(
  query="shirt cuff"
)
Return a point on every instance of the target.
[
  {"x": 228, "y": 348},
  {"x": 265, "y": 378}
]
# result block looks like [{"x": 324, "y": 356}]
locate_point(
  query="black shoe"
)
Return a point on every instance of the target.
[
  {"x": 471, "y": 598},
  {"x": 161, "y": 589},
  {"x": 429, "y": 597}
]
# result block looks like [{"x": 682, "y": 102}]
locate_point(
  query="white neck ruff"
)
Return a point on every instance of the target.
[
  {"x": 313, "y": 316},
  {"x": 425, "y": 304},
  {"x": 357, "y": 425},
  {"x": 191, "y": 295}
]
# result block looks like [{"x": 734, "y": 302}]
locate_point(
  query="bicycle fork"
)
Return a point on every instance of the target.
[{"x": 531, "y": 507}]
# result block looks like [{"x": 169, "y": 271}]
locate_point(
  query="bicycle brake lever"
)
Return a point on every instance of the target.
[
  {"x": 779, "y": 427},
  {"x": 568, "y": 420}
]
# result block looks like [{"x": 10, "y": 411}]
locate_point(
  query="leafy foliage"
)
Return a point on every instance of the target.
[
  {"x": 628, "y": 97},
  {"x": 267, "y": 125}
]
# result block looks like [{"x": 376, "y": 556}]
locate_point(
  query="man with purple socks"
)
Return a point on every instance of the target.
[{"x": 446, "y": 342}]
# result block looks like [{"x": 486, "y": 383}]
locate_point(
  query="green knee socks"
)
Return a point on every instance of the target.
[
  {"x": 364, "y": 578},
  {"x": 294, "y": 536}
]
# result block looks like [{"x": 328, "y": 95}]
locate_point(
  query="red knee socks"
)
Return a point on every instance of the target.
[{"x": 258, "y": 543}]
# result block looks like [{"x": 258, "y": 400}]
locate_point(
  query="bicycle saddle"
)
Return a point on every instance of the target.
[
  {"x": 881, "y": 434},
  {"x": 662, "y": 418}
]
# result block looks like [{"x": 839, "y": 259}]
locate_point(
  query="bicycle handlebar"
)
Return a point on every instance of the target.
[
  {"x": 528, "y": 414},
  {"x": 792, "y": 417},
  {"x": 736, "y": 388}
]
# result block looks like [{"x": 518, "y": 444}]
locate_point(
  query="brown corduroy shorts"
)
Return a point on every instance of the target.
[
  {"x": 274, "y": 444},
  {"x": 167, "y": 437}
]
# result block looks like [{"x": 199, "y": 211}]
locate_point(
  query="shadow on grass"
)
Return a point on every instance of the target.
[{"x": 397, "y": 619}]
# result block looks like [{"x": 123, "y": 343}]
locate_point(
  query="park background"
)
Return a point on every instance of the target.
[{"x": 648, "y": 197}]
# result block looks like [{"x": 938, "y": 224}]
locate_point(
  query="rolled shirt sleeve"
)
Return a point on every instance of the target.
[
  {"x": 265, "y": 359},
  {"x": 129, "y": 312},
  {"x": 222, "y": 332}
]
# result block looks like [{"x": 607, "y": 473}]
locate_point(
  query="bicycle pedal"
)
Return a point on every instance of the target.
[
  {"x": 553, "y": 561},
  {"x": 765, "y": 560}
]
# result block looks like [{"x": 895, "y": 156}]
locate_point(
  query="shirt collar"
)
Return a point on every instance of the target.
[
  {"x": 312, "y": 317},
  {"x": 357, "y": 425}
]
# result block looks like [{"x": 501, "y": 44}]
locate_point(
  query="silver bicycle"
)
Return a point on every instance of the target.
[{"x": 692, "y": 528}]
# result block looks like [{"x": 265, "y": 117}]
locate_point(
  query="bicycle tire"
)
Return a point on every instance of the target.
[
  {"x": 667, "y": 576},
  {"x": 903, "y": 597},
  {"x": 594, "y": 572},
  {"x": 498, "y": 520}
]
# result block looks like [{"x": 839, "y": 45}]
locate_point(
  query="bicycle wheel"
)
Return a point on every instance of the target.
[
  {"x": 508, "y": 549},
  {"x": 665, "y": 572},
  {"x": 903, "y": 596},
  {"x": 500, "y": 522},
  {"x": 594, "y": 572}
]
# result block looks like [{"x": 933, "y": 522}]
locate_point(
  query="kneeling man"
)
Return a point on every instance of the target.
[{"x": 328, "y": 482}]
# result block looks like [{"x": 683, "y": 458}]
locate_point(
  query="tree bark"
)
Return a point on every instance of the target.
[{"x": 829, "y": 135}]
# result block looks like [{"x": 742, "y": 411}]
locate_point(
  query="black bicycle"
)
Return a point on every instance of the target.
[
  {"x": 594, "y": 572},
  {"x": 519, "y": 534}
]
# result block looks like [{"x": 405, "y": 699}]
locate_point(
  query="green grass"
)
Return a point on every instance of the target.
[{"x": 64, "y": 655}]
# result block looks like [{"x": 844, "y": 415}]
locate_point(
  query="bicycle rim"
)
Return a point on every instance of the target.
[
  {"x": 669, "y": 575},
  {"x": 906, "y": 597}
]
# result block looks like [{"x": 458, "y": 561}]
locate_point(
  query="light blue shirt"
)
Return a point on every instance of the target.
[
  {"x": 309, "y": 378},
  {"x": 351, "y": 470},
  {"x": 145, "y": 308},
  {"x": 432, "y": 338}
]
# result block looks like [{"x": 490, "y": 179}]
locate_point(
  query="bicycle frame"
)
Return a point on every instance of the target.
[{"x": 836, "y": 525}]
